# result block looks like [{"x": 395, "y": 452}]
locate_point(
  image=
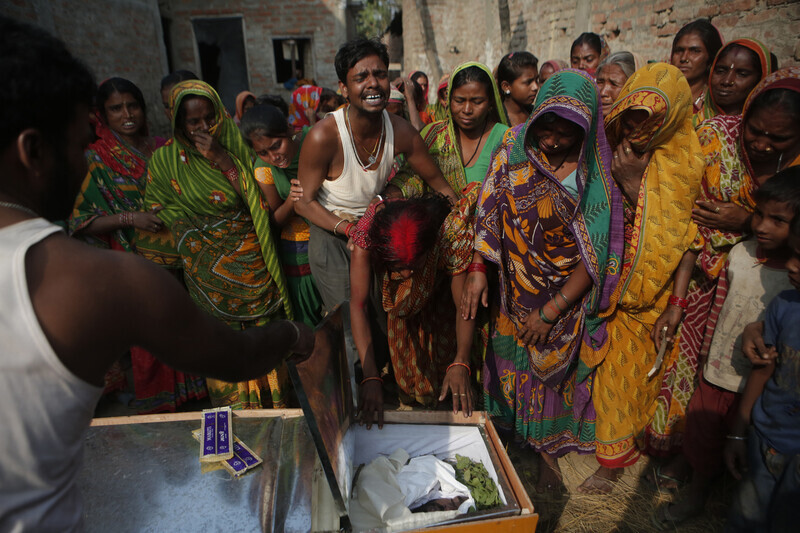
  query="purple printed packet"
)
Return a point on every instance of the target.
[{"x": 216, "y": 434}]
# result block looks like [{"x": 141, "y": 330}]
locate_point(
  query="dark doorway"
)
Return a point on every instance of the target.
[{"x": 223, "y": 62}]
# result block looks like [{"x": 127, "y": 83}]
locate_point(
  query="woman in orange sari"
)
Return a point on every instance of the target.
[{"x": 658, "y": 164}]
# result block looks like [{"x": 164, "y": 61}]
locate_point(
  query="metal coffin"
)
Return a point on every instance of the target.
[{"x": 323, "y": 383}]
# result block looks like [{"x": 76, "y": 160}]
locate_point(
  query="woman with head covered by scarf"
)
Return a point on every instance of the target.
[
  {"x": 658, "y": 164},
  {"x": 549, "y": 222},
  {"x": 217, "y": 229},
  {"x": 739, "y": 158},
  {"x": 735, "y": 71}
]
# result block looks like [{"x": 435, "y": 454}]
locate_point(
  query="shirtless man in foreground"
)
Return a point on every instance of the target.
[{"x": 70, "y": 310}]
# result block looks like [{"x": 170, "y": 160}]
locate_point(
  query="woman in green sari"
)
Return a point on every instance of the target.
[
  {"x": 218, "y": 230},
  {"x": 278, "y": 149},
  {"x": 463, "y": 143}
]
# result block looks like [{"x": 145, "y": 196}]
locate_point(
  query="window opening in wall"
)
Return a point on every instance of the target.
[
  {"x": 292, "y": 60},
  {"x": 223, "y": 61}
]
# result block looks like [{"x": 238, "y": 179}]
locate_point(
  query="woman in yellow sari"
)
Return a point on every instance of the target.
[{"x": 658, "y": 164}]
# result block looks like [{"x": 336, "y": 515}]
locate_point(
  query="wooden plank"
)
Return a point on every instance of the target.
[
  {"x": 511, "y": 473},
  {"x": 511, "y": 524},
  {"x": 434, "y": 417},
  {"x": 193, "y": 415}
]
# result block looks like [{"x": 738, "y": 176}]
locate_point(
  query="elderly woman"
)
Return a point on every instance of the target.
[
  {"x": 658, "y": 164},
  {"x": 421, "y": 249},
  {"x": 741, "y": 153},
  {"x": 693, "y": 50},
  {"x": 736, "y": 70},
  {"x": 462, "y": 144},
  {"x": 549, "y": 222},
  {"x": 110, "y": 209},
  {"x": 612, "y": 73},
  {"x": 217, "y": 229}
]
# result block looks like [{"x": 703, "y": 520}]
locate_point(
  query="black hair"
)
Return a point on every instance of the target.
[
  {"x": 732, "y": 47},
  {"x": 707, "y": 33},
  {"x": 783, "y": 187},
  {"x": 419, "y": 94},
  {"x": 773, "y": 62},
  {"x": 417, "y": 74},
  {"x": 512, "y": 65},
  {"x": 786, "y": 99},
  {"x": 265, "y": 120},
  {"x": 425, "y": 215},
  {"x": 40, "y": 81},
  {"x": 274, "y": 100},
  {"x": 354, "y": 51},
  {"x": 118, "y": 85},
  {"x": 330, "y": 94},
  {"x": 177, "y": 77},
  {"x": 471, "y": 74},
  {"x": 590, "y": 38}
]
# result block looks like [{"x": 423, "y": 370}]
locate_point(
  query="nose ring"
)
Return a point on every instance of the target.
[
  {"x": 555, "y": 146},
  {"x": 769, "y": 150}
]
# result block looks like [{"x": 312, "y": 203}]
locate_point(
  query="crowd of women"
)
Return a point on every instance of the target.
[{"x": 571, "y": 287}]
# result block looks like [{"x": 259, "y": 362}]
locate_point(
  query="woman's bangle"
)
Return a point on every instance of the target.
[
  {"x": 337, "y": 225},
  {"x": 544, "y": 317},
  {"x": 465, "y": 365},
  {"x": 735, "y": 437},
  {"x": 477, "y": 267},
  {"x": 559, "y": 293},
  {"x": 379, "y": 197},
  {"x": 126, "y": 219},
  {"x": 348, "y": 229},
  {"x": 554, "y": 301},
  {"x": 683, "y": 303},
  {"x": 373, "y": 378}
]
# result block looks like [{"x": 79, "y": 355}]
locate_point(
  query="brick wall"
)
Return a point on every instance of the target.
[
  {"x": 323, "y": 21},
  {"x": 547, "y": 27},
  {"x": 113, "y": 37}
]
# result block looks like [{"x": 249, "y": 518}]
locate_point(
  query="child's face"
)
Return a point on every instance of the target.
[
  {"x": 793, "y": 264},
  {"x": 770, "y": 225}
]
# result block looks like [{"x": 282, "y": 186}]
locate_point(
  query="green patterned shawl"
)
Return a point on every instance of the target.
[{"x": 193, "y": 192}]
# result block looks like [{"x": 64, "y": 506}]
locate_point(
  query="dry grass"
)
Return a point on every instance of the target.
[{"x": 628, "y": 508}]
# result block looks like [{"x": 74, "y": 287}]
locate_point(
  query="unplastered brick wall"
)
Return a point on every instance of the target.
[
  {"x": 113, "y": 37},
  {"x": 322, "y": 21},
  {"x": 441, "y": 34}
]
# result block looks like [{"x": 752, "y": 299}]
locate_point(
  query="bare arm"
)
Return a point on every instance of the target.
[
  {"x": 535, "y": 330},
  {"x": 316, "y": 156},
  {"x": 143, "y": 220},
  {"x": 280, "y": 211},
  {"x": 413, "y": 113},
  {"x": 94, "y": 305},
  {"x": 672, "y": 315},
  {"x": 456, "y": 380},
  {"x": 735, "y": 454},
  {"x": 408, "y": 141},
  {"x": 371, "y": 391}
]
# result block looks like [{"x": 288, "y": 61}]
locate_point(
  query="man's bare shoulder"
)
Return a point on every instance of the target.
[
  {"x": 324, "y": 134},
  {"x": 403, "y": 133}
]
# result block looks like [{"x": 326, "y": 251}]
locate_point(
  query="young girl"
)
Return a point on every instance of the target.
[
  {"x": 265, "y": 129},
  {"x": 517, "y": 76}
]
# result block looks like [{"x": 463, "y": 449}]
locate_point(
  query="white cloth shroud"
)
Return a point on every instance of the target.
[{"x": 389, "y": 487}]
